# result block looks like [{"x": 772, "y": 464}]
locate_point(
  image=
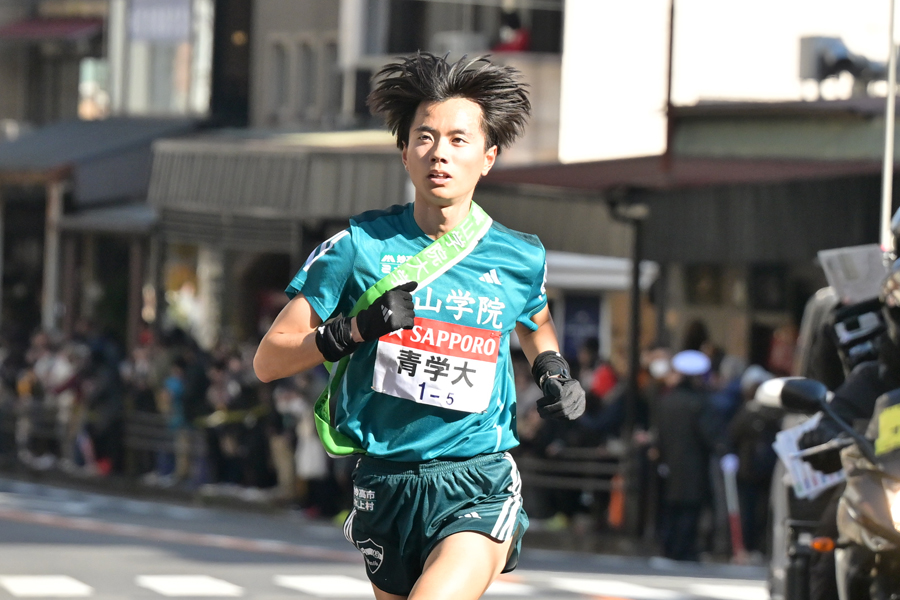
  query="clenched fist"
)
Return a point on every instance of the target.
[
  {"x": 392, "y": 311},
  {"x": 563, "y": 396}
]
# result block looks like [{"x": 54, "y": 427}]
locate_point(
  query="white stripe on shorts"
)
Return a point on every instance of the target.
[
  {"x": 507, "y": 530},
  {"x": 501, "y": 520},
  {"x": 509, "y": 514},
  {"x": 348, "y": 527},
  {"x": 516, "y": 488}
]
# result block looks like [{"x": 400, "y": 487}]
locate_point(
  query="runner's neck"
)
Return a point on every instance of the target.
[{"x": 435, "y": 221}]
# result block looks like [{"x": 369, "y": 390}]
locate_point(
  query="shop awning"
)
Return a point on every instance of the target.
[
  {"x": 653, "y": 173},
  {"x": 131, "y": 219},
  {"x": 278, "y": 176},
  {"x": 572, "y": 271},
  {"x": 106, "y": 160},
  {"x": 36, "y": 30},
  {"x": 251, "y": 190},
  {"x": 721, "y": 211}
]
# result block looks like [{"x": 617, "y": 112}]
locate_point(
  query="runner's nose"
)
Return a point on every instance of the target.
[{"x": 438, "y": 154}]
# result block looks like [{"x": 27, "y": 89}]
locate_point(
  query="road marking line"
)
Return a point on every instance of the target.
[
  {"x": 188, "y": 585},
  {"x": 174, "y": 536},
  {"x": 45, "y": 586},
  {"x": 508, "y": 588},
  {"x": 342, "y": 586},
  {"x": 326, "y": 586},
  {"x": 729, "y": 592},
  {"x": 610, "y": 587}
]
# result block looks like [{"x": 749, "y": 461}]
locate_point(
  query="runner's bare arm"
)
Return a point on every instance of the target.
[
  {"x": 290, "y": 344},
  {"x": 539, "y": 340}
]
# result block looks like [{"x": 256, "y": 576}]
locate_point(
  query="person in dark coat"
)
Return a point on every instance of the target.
[
  {"x": 690, "y": 432},
  {"x": 752, "y": 433}
]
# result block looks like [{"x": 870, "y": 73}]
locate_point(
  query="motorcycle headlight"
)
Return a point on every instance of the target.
[{"x": 893, "y": 498}]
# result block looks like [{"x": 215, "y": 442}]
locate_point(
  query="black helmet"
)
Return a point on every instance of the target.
[{"x": 856, "y": 329}]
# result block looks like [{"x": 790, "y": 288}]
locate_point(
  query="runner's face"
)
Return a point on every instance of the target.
[{"x": 445, "y": 155}]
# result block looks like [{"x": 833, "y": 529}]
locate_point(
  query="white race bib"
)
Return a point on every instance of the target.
[{"x": 437, "y": 363}]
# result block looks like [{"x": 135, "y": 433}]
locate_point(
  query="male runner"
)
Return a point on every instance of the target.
[{"x": 428, "y": 396}]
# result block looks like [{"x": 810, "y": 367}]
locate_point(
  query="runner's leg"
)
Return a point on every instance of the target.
[{"x": 461, "y": 567}]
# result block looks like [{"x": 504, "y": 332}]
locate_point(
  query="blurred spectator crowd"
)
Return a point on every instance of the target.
[
  {"x": 685, "y": 420},
  {"x": 169, "y": 414}
]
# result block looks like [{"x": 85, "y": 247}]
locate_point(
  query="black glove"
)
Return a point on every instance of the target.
[
  {"x": 392, "y": 311},
  {"x": 334, "y": 339},
  {"x": 563, "y": 396},
  {"x": 828, "y": 461}
]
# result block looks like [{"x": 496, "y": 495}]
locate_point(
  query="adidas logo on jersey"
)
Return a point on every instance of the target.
[
  {"x": 471, "y": 515},
  {"x": 491, "y": 277}
]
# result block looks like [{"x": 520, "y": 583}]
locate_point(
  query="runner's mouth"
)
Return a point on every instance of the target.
[{"x": 439, "y": 177}]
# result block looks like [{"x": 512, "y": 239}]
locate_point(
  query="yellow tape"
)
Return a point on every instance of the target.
[{"x": 888, "y": 430}]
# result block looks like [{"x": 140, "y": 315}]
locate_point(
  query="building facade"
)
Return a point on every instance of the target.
[{"x": 312, "y": 156}]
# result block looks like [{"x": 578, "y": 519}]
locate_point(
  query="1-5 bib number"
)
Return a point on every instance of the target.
[{"x": 440, "y": 364}]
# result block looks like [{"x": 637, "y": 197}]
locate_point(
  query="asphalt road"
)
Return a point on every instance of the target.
[{"x": 62, "y": 543}]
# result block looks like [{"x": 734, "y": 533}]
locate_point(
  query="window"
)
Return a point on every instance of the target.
[
  {"x": 280, "y": 77},
  {"x": 331, "y": 80},
  {"x": 93, "y": 89},
  {"x": 306, "y": 81},
  {"x": 306, "y": 86},
  {"x": 703, "y": 284},
  {"x": 165, "y": 59}
]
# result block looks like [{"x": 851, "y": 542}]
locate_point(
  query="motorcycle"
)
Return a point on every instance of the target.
[{"x": 867, "y": 551}]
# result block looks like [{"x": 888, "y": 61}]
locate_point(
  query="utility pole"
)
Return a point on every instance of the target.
[
  {"x": 623, "y": 208},
  {"x": 887, "y": 179}
]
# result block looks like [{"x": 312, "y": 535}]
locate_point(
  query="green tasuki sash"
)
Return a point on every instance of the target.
[{"x": 426, "y": 266}]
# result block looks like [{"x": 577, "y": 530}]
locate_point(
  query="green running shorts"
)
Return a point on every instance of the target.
[{"x": 402, "y": 510}]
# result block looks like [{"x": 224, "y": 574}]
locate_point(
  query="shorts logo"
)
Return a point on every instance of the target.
[
  {"x": 372, "y": 553},
  {"x": 363, "y": 499}
]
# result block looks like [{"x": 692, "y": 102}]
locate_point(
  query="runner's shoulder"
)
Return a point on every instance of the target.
[
  {"x": 526, "y": 242},
  {"x": 374, "y": 216}
]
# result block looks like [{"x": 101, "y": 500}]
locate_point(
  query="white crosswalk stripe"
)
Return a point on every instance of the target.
[
  {"x": 729, "y": 591},
  {"x": 343, "y": 586},
  {"x": 45, "y": 586},
  {"x": 610, "y": 587},
  {"x": 326, "y": 586},
  {"x": 508, "y": 588},
  {"x": 189, "y": 585}
]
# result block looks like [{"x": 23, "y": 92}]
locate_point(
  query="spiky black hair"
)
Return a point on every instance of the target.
[{"x": 402, "y": 86}]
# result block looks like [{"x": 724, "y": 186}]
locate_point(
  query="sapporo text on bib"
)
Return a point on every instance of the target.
[{"x": 440, "y": 364}]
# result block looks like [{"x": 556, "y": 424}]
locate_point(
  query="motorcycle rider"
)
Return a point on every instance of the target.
[{"x": 854, "y": 400}]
